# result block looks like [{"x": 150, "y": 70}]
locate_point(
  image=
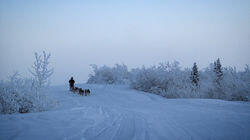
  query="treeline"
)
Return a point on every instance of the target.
[{"x": 169, "y": 80}]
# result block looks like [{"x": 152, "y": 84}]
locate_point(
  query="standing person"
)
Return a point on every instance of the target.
[{"x": 71, "y": 83}]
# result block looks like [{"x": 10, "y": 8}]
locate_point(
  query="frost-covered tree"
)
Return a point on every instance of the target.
[
  {"x": 109, "y": 75},
  {"x": 218, "y": 89},
  {"x": 245, "y": 75},
  {"x": 170, "y": 81},
  {"x": 234, "y": 88},
  {"x": 17, "y": 95},
  {"x": 195, "y": 75},
  {"x": 218, "y": 71},
  {"x": 40, "y": 70},
  {"x": 166, "y": 79},
  {"x": 25, "y": 95}
]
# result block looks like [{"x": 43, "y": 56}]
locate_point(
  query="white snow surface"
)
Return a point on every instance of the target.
[{"x": 120, "y": 113}]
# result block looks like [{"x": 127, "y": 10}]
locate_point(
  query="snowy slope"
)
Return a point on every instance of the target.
[{"x": 119, "y": 113}]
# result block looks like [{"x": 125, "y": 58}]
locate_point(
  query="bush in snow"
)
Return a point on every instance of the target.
[
  {"x": 211, "y": 81},
  {"x": 169, "y": 80},
  {"x": 25, "y": 95},
  {"x": 224, "y": 83},
  {"x": 234, "y": 86},
  {"x": 106, "y": 75},
  {"x": 18, "y": 95}
]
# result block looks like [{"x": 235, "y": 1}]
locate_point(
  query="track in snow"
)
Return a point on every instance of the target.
[{"x": 119, "y": 113}]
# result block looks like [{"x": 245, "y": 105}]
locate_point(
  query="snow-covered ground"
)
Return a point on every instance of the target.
[{"x": 120, "y": 113}]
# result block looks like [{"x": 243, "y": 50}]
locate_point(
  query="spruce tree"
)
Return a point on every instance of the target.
[
  {"x": 218, "y": 71},
  {"x": 218, "y": 93},
  {"x": 195, "y": 75}
]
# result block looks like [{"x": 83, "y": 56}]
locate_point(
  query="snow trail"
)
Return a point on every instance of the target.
[{"x": 120, "y": 113}]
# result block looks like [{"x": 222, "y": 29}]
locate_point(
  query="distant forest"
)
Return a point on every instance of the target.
[{"x": 170, "y": 81}]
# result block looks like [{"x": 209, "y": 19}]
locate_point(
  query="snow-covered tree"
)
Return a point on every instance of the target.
[
  {"x": 218, "y": 88},
  {"x": 218, "y": 71},
  {"x": 25, "y": 95},
  {"x": 17, "y": 95},
  {"x": 109, "y": 75},
  {"x": 234, "y": 88},
  {"x": 245, "y": 75},
  {"x": 195, "y": 75},
  {"x": 170, "y": 81},
  {"x": 40, "y": 70},
  {"x": 166, "y": 79}
]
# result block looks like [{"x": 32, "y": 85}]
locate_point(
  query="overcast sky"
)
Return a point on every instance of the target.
[{"x": 80, "y": 33}]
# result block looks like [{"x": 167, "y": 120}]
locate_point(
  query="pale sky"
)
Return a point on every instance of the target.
[{"x": 136, "y": 33}]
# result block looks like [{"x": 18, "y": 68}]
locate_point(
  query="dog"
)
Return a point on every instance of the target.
[
  {"x": 87, "y": 92},
  {"x": 76, "y": 89},
  {"x": 81, "y": 91}
]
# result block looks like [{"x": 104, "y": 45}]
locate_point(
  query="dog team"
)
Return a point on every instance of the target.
[{"x": 80, "y": 91}]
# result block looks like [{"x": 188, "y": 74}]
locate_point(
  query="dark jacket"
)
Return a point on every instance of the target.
[{"x": 71, "y": 82}]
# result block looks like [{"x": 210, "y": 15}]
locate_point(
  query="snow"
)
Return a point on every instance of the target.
[{"x": 120, "y": 113}]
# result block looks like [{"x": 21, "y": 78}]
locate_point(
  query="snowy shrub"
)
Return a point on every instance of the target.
[
  {"x": 106, "y": 75},
  {"x": 170, "y": 81},
  {"x": 210, "y": 84},
  {"x": 234, "y": 87},
  {"x": 25, "y": 95},
  {"x": 231, "y": 85},
  {"x": 167, "y": 80},
  {"x": 245, "y": 77},
  {"x": 18, "y": 95},
  {"x": 215, "y": 82}
]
